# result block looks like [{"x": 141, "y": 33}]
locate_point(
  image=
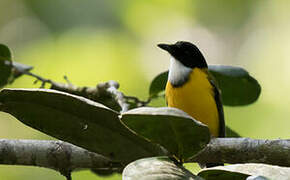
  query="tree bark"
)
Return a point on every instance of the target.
[
  {"x": 246, "y": 150},
  {"x": 66, "y": 157},
  {"x": 57, "y": 155}
]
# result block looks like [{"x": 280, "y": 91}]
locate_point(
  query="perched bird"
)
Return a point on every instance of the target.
[{"x": 191, "y": 88}]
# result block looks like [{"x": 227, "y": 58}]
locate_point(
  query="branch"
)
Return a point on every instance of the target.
[
  {"x": 226, "y": 150},
  {"x": 66, "y": 157},
  {"x": 57, "y": 155},
  {"x": 105, "y": 93},
  {"x": 246, "y": 150}
]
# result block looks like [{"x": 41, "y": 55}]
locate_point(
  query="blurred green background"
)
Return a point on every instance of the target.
[{"x": 95, "y": 41}]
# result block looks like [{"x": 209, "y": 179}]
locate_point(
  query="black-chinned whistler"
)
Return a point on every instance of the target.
[{"x": 191, "y": 88}]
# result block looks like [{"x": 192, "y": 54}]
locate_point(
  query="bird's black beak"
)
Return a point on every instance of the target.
[{"x": 166, "y": 47}]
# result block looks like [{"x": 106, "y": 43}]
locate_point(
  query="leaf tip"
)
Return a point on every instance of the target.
[{"x": 5, "y": 53}]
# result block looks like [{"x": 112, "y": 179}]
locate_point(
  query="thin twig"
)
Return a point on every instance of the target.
[
  {"x": 38, "y": 78},
  {"x": 66, "y": 79},
  {"x": 105, "y": 93},
  {"x": 137, "y": 101}
]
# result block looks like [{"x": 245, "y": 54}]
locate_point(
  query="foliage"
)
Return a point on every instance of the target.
[
  {"x": 165, "y": 168},
  {"x": 9, "y": 70},
  {"x": 237, "y": 86},
  {"x": 76, "y": 120},
  {"x": 5, "y": 65},
  {"x": 241, "y": 171},
  {"x": 162, "y": 168},
  {"x": 128, "y": 136},
  {"x": 170, "y": 128}
]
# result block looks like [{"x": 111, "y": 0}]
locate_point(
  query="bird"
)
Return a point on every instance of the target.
[{"x": 191, "y": 88}]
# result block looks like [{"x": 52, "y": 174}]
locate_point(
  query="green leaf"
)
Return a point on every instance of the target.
[
  {"x": 77, "y": 120},
  {"x": 5, "y": 72},
  {"x": 5, "y": 65},
  {"x": 237, "y": 86},
  {"x": 157, "y": 168},
  {"x": 172, "y": 128},
  {"x": 105, "y": 172},
  {"x": 222, "y": 175},
  {"x": 5, "y": 53},
  {"x": 244, "y": 171},
  {"x": 231, "y": 133},
  {"x": 158, "y": 84}
]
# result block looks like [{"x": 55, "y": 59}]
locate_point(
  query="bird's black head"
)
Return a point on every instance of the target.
[{"x": 185, "y": 52}]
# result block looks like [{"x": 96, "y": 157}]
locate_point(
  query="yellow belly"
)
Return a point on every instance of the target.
[{"x": 196, "y": 98}]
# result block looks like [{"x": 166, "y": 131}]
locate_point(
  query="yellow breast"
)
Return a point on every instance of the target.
[{"x": 196, "y": 98}]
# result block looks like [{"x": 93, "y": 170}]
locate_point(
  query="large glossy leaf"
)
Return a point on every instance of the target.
[
  {"x": 5, "y": 65},
  {"x": 172, "y": 128},
  {"x": 237, "y": 86},
  {"x": 242, "y": 171},
  {"x": 157, "y": 168},
  {"x": 76, "y": 120}
]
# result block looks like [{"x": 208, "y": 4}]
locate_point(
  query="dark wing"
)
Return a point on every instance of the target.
[
  {"x": 222, "y": 132},
  {"x": 217, "y": 97},
  {"x": 166, "y": 100}
]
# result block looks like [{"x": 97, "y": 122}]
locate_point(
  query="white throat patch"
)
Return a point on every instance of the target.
[{"x": 178, "y": 73}]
